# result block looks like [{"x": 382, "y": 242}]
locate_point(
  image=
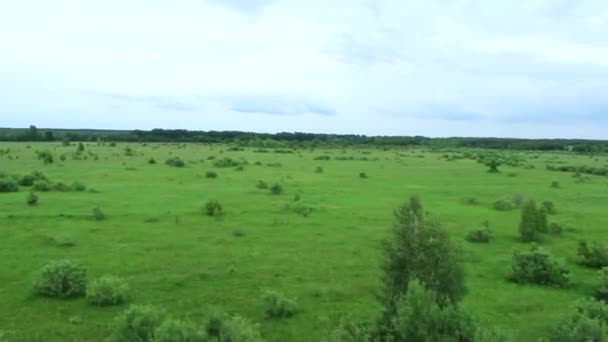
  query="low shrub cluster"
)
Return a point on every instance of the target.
[
  {"x": 595, "y": 256},
  {"x": 277, "y": 305},
  {"x": 213, "y": 208},
  {"x": 480, "y": 234},
  {"x": 62, "y": 279},
  {"x": 587, "y": 322},
  {"x": 538, "y": 267},
  {"x": 175, "y": 162},
  {"x": 108, "y": 290}
]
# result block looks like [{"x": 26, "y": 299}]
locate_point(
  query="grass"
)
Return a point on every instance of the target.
[{"x": 186, "y": 262}]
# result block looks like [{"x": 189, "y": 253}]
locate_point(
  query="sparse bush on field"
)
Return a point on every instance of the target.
[
  {"x": 152, "y": 161},
  {"x": 277, "y": 305},
  {"x": 45, "y": 156},
  {"x": 78, "y": 187},
  {"x": 238, "y": 232},
  {"x": 276, "y": 189},
  {"x": 210, "y": 174},
  {"x": 61, "y": 187},
  {"x": 533, "y": 222},
  {"x": 480, "y": 234},
  {"x": 63, "y": 279},
  {"x": 601, "y": 289},
  {"x": 262, "y": 185},
  {"x": 587, "y": 322},
  {"x": 362, "y": 175},
  {"x": 8, "y": 185},
  {"x": 323, "y": 157},
  {"x": 128, "y": 151},
  {"x": 470, "y": 201},
  {"x": 65, "y": 241},
  {"x": 26, "y": 180},
  {"x": 31, "y": 199},
  {"x": 239, "y": 168},
  {"x": 549, "y": 207},
  {"x": 42, "y": 186},
  {"x": 319, "y": 169},
  {"x": 226, "y": 162},
  {"x": 518, "y": 200},
  {"x": 538, "y": 267},
  {"x": 108, "y": 290},
  {"x": 555, "y": 184},
  {"x": 138, "y": 323},
  {"x": 213, "y": 208},
  {"x": 556, "y": 228},
  {"x": 300, "y": 208},
  {"x": 595, "y": 256},
  {"x": 238, "y": 329},
  {"x": 493, "y": 165},
  {"x": 97, "y": 214},
  {"x": 351, "y": 329},
  {"x": 173, "y": 330},
  {"x": 503, "y": 205},
  {"x": 175, "y": 162},
  {"x": 275, "y": 164}
]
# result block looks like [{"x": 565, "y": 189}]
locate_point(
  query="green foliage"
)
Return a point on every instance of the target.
[
  {"x": 213, "y": 208},
  {"x": 42, "y": 186},
  {"x": 319, "y": 169},
  {"x": 323, "y": 157},
  {"x": 480, "y": 234},
  {"x": 350, "y": 329},
  {"x": 503, "y": 205},
  {"x": 277, "y": 305},
  {"x": 595, "y": 256},
  {"x": 45, "y": 156},
  {"x": 151, "y": 161},
  {"x": 8, "y": 185},
  {"x": 262, "y": 185},
  {"x": 226, "y": 162},
  {"x": 31, "y": 199},
  {"x": 601, "y": 289},
  {"x": 538, "y": 267},
  {"x": 417, "y": 246},
  {"x": 61, "y": 187},
  {"x": 108, "y": 290},
  {"x": 175, "y": 162},
  {"x": 362, "y": 175},
  {"x": 420, "y": 318},
  {"x": 493, "y": 165},
  {"x": 78, "y": 187},
  {"x": 178, "y": 331},
  {"x": 238, "y": 329},
  {"x": 97, "y": 214},
  {"x": 62, "y": 278},
  {"x": 210, "y": 174},
  {"x": 533, "y": 222},
  {"x": 138, "y": 323},
  {"x": 549, "y": 207},
  {"x": 276, "y": 189},
  {"x": 555, "y": 184},
  {"x": 588, "y": 322}
]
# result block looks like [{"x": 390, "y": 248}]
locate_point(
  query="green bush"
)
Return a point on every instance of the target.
[
  {"x": 276, "y": 189},
  {"x": 8, "y": 185},
  {"x": 227, "y": 162},
  {"x": 213, "y": 208},
  {"x": 351, "y": 329},
  {"x": 238, "y": 329},
  {"x": 481, "y": 234},
  {"x": 595, "y": 256},
  {"x": 549, "y": 207},
  {"x": 26, "y": 180},
  {"x": 533, "y": 222},
  {"x": 42, "y": 186},
  {"x": 518, "y": 200},
  {"x": 45, "y": 156},
  {"x": 262, "y": 185},
  {"x": 538, "y": 267},
  {"x": 32, "y": 199},
  {"x": 319, "y": 169},
  {"x": 556, "y": 228},
  {"x": 175, "y": 162},
  {"x": 178, "y": 331},
  {"x": 210, "y": 174},
  {"x": 61, "y": 187},
  {"x": 98, "y": 215},
  {"x": 555, "y": 184},
  {"x": 362, "y": 175},
  {"x": 108, "y": 290},
  {"x": 277, "y": 305},
  {"x": 503, "y": 205},
  {"x": 587, "y": 322},
  {"x": 77, "y": 186},
  {"x": 63, "y": 279},
  {"x": 601, "y": 290},
  {"x": 151, "y": 161},
  {"x": 138, "y": 323}
]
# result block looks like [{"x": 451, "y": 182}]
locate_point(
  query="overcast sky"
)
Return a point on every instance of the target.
[{"x": 528, "y": 68}]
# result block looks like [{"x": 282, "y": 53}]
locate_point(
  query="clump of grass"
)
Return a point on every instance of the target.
[
  {"x": 98, "y": 215},
  {"x": 276, "y": 189},
  {"x": 470, "y": 201},
  {"x": 152, "y": 161},
  {"x": 555, "y": 184},
  {"x": 42, "y": 186},
  {"x": 213, "y": 208},
  {"x": 210, "y": 174},
  {"x": 277, "y": 305},
  {"x": 78, "y": 187},
  {"x": 151, "y": 219}
]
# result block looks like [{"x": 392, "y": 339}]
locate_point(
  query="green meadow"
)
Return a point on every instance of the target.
[{"x": 318, "y": 241}]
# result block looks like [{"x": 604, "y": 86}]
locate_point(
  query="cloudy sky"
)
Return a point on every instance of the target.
[{"x": 533, "y": 68}]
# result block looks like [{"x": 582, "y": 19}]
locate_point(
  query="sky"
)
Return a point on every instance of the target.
[{"x": 531, "y": 69}]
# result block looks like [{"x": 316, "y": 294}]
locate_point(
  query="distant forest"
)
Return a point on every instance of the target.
[{"x": 296, "y": 139}]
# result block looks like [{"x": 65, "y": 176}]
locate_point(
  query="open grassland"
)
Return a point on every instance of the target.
[{"x": 318, "y": 241}]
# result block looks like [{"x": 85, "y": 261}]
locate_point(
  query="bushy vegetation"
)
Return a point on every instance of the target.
[
  {"x": 601, "y": 289},
  {"x": 210, "y": 174},
  {"x": 480, "y": 234},
  {"x": 31, "y": 199},
  {"x": 277, "y": 305},
  {"x": 587, "y": 322},
  {"x": 8, "y": 185},
  {"x": 538, "y": 267},
  {"x": 533, "y": 222},
  {"x": 595, "y": 256},
  {"x": 97, "y": 214},
  {"x": 175, "y": 162},
  {"x": 276, "y": 189},
  {"x": 213, "y": 208},
  {"x": 262, "y": 185},
  {"x": 108, "y": 290},
  {"x": 227, "y": 162},
  {"x": 172, "y": 330},
  {"x": 62, "y": 278},
  {"x": 138, "y": 323},
  {"x": 503, "y": 205}
]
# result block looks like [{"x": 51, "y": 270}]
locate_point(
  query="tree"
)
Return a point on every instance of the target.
[
  {"x": 32, "y": 133},
  {"x": 419, "y": 249},
  {"x": 529, "y": 227}
]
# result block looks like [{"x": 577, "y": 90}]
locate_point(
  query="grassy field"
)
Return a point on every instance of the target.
[{"x": 157, "y": 237}]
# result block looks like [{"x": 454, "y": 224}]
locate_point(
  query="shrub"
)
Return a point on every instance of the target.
[
  {"x": 362, "y": 175},
  {"x": 108, "y": 290},
  {"x": 42, "y": 186},
  {"x": 32, "y": 199},
  {"x": 8, "y": 185},
  {"x": 549, "y": 207},
  {"x": 63, "y": 279},
  {"x": 178, "y": 331},
  {"x": 277, "y": 305},
  {"x": 210, "y": 174},
  {"x": 226, "y": 162},
  {"x": 601, "y": 290},
  {"x": 350, "y": 329},
  {"x": 98, "y": 215},
  {"x": 262, "y": 185},
  {"x": 538, "y": 267},
  {"x": 60, "y": 186},
  {"x": 324, "y": 157},
  {"x": 518, "y": 200},
  {"x": 238, "y": 232},
  {"x": 77, "y": 186},
  {"x": 239, "y": 168},
  {"x": 45, "y": 156},
  {"x": 556, "y": 228},
  {"x": 588, "y": 322},
  {"x": 26, "y": 180},
  {"x": 595, "y": 256},
  {"x": 533, "y": 222},
  {"x": 555, "y": 184},
  {"x": 175, "y": 162},
  {"x": 238, "y": 329},
  {"x": 276, "y": 189},
  {"x": 503, "y": 205},
  {"x": 470, "y": 201},
  {"x": 151, "y": 161},
  {"x": 319, "y": 169},
  {"x": 481, "y": 234},
  {"x": 138, "y": 323},
  {"x": 213, "y": 208}
]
